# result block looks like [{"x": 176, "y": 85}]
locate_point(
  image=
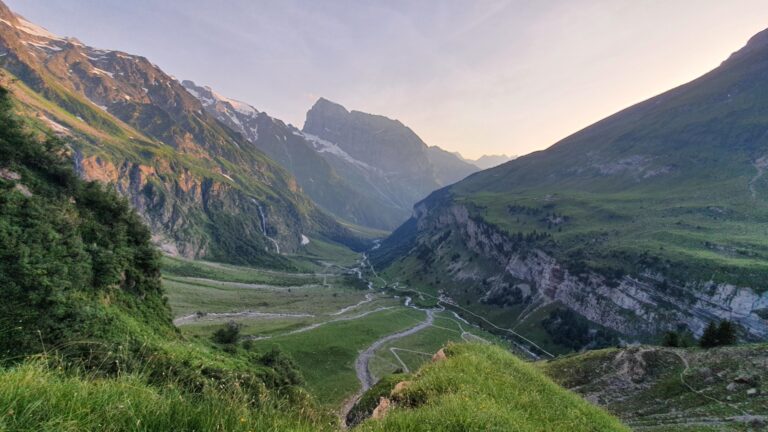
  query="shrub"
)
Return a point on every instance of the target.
[
  {"x": 670, "y": 339},
  {"x": 228, "y": 334}
]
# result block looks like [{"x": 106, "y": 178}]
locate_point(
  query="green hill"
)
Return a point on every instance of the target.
[
  {"x": 651, "y": 219},
  {"x": 484, "y": 388},
  {"x": 84, "y": 322}
]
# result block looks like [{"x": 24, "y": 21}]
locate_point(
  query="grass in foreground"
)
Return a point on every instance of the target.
[
  {"x": 35, "y": 398},
  {"x": 484, "y": 388}
]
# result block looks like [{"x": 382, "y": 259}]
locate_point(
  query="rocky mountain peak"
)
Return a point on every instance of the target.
[
  {"x": 328, "y": 107},
  {"x": 7, "y": 15},
  {"x": 324, "y": 113}
]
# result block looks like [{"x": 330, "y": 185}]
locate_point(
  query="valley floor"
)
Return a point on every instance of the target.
[{"x": 343, "y": 332}]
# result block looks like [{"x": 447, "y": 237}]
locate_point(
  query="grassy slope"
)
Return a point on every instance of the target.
[
  {"x": 654, "y": 393},
  {"x": 82, "y": 293},
  {"x": 35, "y": 398},
  {"x": 484, "y": 388},
  {"x": 674, "y": 178}
]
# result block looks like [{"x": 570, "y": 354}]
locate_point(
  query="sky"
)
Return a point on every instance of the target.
[{"x": 473, "y": 76}]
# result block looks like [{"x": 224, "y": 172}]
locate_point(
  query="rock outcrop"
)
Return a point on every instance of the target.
[{"x": 633, "y": 306}]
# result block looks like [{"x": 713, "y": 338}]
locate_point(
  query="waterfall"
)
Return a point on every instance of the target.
[{"x": 264, "y": 227}]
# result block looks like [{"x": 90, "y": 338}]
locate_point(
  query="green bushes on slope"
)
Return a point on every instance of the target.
[
  {"x": 80, "y": 286},
  {"x": 68, "y": 249}
]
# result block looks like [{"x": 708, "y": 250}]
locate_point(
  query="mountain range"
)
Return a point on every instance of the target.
[
  {"x": 332, "y": 157},
  {"x": 204, "y": 190},
  {"x": 646, "y": 228},
  {"x": 650, "y": 220},
  {"x": 215, "y": 177}
]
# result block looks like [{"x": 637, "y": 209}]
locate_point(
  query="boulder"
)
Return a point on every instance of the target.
[
  {"x": 439, "y": 356},
  {"x": 398, "y": 392},
  {"x": 381, "y": 410}
]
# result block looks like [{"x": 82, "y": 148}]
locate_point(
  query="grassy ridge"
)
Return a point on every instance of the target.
[{"x": 484, "y": 388}]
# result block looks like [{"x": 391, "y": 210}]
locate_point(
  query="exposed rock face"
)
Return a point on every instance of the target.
[
  {"x": 381, "y": 410},
  {"x": 203, "y": 188},
  {"x": 439, "y": 356},
  {"x": 635, "y": 307},
  {"x": 398, "y": 393},
  {"x": 341, "y": 195},
  {"x": 383, "y": 154},
  {"x": 171, "y": 200}
]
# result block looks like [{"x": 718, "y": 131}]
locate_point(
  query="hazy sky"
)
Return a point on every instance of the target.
[{"x": 475, "y": 76}]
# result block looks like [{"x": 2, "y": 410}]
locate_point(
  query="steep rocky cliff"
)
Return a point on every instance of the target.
[
  {"x": 203, "y": 188},
  {"x": 476, "y": 260}
]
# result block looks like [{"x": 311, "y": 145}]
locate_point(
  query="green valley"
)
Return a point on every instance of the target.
[{"x": 172, "y": 259}]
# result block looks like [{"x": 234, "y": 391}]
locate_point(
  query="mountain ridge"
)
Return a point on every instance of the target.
[
  {"x": 645, "y": 221},
  {"x": 298, "y": 154},
  {"x": 202, "y": 189},
  {"x": 408, "y": 168}
]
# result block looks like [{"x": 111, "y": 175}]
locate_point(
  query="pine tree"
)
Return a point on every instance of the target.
[
  {"x": 670, "y": 339},
  {"x": 726, "y": 333},
  {"x": 710, "y": 337}
]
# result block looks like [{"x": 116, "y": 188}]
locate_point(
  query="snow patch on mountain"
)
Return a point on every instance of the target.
[
  {"x": 324, "y": 146},
  {"x": 56, "y": 127},
  {"x": 43, "y": 46},
  {"x": 103, "y": 72},
  {"x": 34, "y": 29},
  {"x": 241, "y": 107}
]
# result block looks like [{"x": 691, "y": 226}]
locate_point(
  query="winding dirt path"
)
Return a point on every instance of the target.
[
  {"x": 701, "y": 392},
  {"x": 362, "y": 365}
]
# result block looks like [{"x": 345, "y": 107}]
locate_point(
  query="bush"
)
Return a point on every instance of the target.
[
  {"x": 566, "y": 328},
  {"x": 670, "y": 339},
  {"x": 228, "y": 334},
  {"x": 69, "y": 251}
]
